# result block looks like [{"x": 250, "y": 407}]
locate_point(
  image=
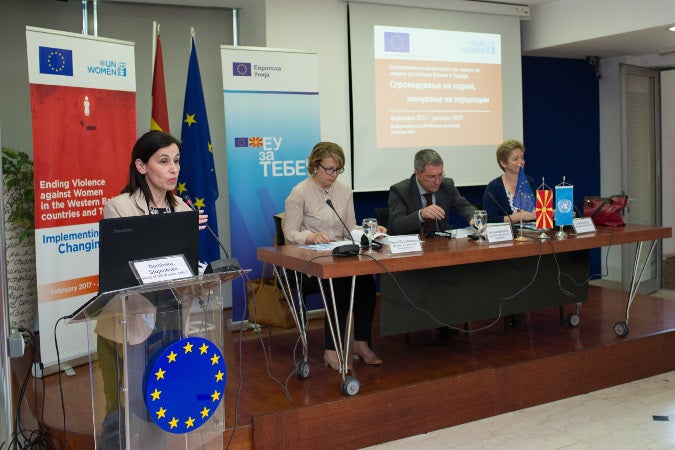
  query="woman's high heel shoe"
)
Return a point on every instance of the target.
[
  {"x": 330, "y": 359},
  {"x": 362, "y": 351}
]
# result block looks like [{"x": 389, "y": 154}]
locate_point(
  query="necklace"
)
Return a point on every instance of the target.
[{"x": 509, "y": 185}]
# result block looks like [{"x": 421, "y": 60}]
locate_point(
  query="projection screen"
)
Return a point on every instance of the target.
[{"x": 429, "y": 78}]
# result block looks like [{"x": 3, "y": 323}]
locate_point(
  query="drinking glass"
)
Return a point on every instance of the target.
[
  {"x": 369, "y": 229},
  {"x": 480, "y": 222}
]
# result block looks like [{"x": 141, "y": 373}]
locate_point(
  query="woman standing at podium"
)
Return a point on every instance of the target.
[
  {"x": 310, "y": 220},
  {"x": 153, "y": 175}
]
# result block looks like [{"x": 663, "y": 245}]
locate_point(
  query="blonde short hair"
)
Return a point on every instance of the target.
[
  {"x": 323, "y": 150},
  {"x": 504, "y": 151}
]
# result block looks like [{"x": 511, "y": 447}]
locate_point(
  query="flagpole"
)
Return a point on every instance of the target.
[
  {"x": 520, "y": 233},
  {"x": 517, "y": 193},
  {"x": 561, "y": 234},
  {"x": 542, "y": 235},
  {"x": 155, "y": 32}
]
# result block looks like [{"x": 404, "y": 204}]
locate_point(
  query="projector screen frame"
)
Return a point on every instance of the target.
[{"x": 376, "y": 169}]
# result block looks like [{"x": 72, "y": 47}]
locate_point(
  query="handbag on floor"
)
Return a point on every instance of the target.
[
  {"x": 266, "y": 301},
  {"x": 606, "y": 210}
]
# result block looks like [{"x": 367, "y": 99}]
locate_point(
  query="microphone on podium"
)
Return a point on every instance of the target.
[
  {"x": 220, "y": 265},
  {"x": 347, "y": 249}
]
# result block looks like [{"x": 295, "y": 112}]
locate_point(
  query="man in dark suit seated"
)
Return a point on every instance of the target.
[{"x": 422, "y": 202}]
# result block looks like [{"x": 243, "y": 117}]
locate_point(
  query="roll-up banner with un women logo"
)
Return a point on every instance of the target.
[
  {"x": 83, "y": 107},
  {"x": 271, "y": 125}
]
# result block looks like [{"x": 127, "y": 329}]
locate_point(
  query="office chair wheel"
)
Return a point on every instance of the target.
[
  {"x": 350, "y": 386},
  {"x": 621, "y": 329},
  {"x": 302, "y": 370},
  {"x": 573, "y": 319}
]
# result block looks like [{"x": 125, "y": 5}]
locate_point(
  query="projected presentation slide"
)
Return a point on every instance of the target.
[{"x": 435, "y": 87}]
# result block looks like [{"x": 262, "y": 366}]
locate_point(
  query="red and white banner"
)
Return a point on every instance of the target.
[{"x": 83, "y": 104}]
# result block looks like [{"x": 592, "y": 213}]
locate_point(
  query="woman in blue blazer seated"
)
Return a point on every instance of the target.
[{"x": 498, "y": 196}]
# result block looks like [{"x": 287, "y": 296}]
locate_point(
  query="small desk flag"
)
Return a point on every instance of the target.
[
  {"x": 544, "y": 209},
  {"x": 197, "y": 176},
  {"x": 523, "y": 198},
  {"x": 564, "y": 204}
]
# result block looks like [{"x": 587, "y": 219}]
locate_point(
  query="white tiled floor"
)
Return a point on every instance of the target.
[{"x": 637, "y": 415}]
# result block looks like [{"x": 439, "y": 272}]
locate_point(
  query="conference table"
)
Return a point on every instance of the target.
[{"x": 460, "y": 280}]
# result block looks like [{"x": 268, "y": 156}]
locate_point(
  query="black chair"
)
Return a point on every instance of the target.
[
  {"x": 279, "y": 235},
  {"x": 279, "y": 240}
]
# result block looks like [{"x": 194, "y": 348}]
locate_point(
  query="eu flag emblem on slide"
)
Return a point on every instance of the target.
[
  {"x": 396, "y": 42},
  {"x": 241, "y": 69},
  {"x": 56, "y": 61},
  {"x": 185, "y": 384}
]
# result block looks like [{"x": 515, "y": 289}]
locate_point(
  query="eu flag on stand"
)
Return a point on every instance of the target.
[
  {"x": 523, "y": 199},
  {"x": 197, "y": 176}
]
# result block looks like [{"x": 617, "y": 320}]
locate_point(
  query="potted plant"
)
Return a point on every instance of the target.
[
  {"x": 18, "y": 196},
  {"x": 17, "y": 169}
]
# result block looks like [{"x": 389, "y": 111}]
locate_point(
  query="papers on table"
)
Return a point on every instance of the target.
[
  {"x": 324, "y": 247},
  {"x": 464, "y": 232}
]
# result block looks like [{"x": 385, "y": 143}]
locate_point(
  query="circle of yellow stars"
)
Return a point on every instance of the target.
[
  {"x": 55, "y": 58},
  {"x": 172, "y": 420}
]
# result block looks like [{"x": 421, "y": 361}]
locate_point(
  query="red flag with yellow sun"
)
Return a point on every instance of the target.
[{"x": 544, "y": 209}]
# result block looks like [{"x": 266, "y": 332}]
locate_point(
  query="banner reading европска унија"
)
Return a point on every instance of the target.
[{"x": 271, "y": 125}]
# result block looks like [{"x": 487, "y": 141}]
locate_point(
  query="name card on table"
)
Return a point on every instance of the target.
[
  {"x": 499, "y": 232},
  {"x": 164, "y": 268},
  {"x": 583, "y": 225},
  {"x": 404, "y": 244}
]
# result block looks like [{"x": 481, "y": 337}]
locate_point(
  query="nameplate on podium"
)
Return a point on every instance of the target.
[{"x": 165, "y": 268}]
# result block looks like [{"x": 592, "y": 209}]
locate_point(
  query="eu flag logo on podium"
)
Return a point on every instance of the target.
[{"x": 185, "y": 384}]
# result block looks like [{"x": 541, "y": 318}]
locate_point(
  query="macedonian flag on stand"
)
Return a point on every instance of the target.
[{"x": 544, "y": 208}]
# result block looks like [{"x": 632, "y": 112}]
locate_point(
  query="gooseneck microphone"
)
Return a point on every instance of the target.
[
  {"x": 219, "y": 265},
  {"x": 347, "y": 249},
  {"x": 501, "y": 208}
]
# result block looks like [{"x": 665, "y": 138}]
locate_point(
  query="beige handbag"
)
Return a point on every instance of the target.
[{"x": 266, "y": 301}]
